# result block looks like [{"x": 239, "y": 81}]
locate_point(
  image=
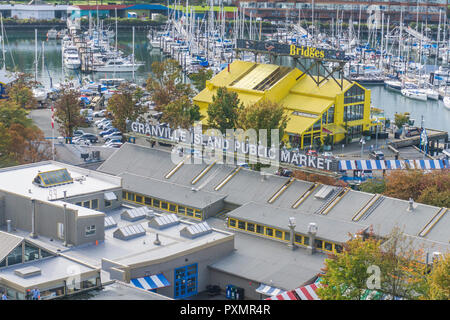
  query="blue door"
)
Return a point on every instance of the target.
[{"x": 185, "y": 281}]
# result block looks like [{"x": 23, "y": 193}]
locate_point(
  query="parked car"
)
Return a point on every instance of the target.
[
  {"x": 328, "y": 155},
  {"x": 114, "y": 145},
  {"x": 100, "y": 113},
  {"x": 108, "y": 131},
  {"x": 100, "y": 121},
  {"x": 105, "y": 125},
  {"x": 113, "y": 136},
  {"x": 89, "y": 136},
  {"x": 78, "y": 133},
  {"x": 377, "y": 155},
  {"x": 103, "y": 122},
  {"x": 81, "y": 142},
  {"x": 111, "y": 141}
]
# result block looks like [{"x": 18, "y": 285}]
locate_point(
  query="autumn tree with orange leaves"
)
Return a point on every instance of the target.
[{"x": 20, "y": 140}]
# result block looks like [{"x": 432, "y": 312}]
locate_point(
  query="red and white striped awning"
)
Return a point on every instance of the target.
[
  {"x": 288, "y": 295},
  {"x": 307, "y": 292}
]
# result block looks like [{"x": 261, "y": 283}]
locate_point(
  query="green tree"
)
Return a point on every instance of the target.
[
  {"x": 223, "y": 112},
  {"x": 125, "y": 105},
  {"x": 346, "y": 272},
  {"x": 21, "y": 94},
  {"x": 373, "y": 186},
  {"x": 181, "y": 113},
  {"x": 67, "y": 111},
  {"x": 266, "y": 115},
  {"x": 166, "y": 85},
  {"x": 199, "y": 78},
  {"x": 400, "y": 119},
  {"x": 439, "y": 279}
]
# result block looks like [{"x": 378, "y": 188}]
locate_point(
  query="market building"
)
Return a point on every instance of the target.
[{"x": 314, "y": 112}]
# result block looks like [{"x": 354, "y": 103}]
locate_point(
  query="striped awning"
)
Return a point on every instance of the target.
[
  {"x": 423, "y": 164},
  {"x": 308, "y": 292},
  {"x": 347, "y": 165},
  {"x": 288, "y": 295},
  {"x": 268, "y": 290},
  {"x": 151, "y": 282}
]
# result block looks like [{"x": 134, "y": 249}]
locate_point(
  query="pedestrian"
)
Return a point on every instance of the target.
[
  {"x": 4, "y": 297},
  {"x": 36, "y": 294}
]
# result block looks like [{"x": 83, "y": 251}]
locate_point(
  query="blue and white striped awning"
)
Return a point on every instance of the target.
[
  {"x": 268, "y": 290},
  {"x": 151, "y": 282},
  {"x": 426, "y": 164}
]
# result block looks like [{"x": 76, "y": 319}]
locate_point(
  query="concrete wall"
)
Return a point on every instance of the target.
[
  {"x": 223, "y": 279},
  {"x": 101, "y": 199},
  {"x": 203, "y": 258},
  {"x": 18, "y": 208},
  {"x": 213, "y": 209}
]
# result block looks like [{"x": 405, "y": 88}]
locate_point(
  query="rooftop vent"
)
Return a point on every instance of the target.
[
  {"x": 163, "y": 221},
  {"x": 135, "y": 214},
  {"x": 110, "y": 222},
  {"x": 324, "y": 192},
  {"x": 27, "y": 272},
  {"x": 129, "y": 232},
  {"x": 53, "y": 178},
  {"x": 196, "y": 230}
]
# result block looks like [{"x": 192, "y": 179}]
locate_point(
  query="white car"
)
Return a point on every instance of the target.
[
  {"x": 110, "y": 144},
  {"x": 114, "y": 145},
  {"x": 112, "y": 136},
  {"x": 100, "y": 113},
  {"x": 81, "y": 142},
  {"x": 100, "y": 121}
]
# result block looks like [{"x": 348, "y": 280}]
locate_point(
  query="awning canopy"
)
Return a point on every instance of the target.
[
  {"x": 151, "y": 282},
  {"x": 268, "y": 290},
  {"x": 307, "y": 292},
  {"x": 109, "y": 196},
  {"x": 334, "y": 128},
  {"x": 392, "y": 164},
  {"x": 288, "y": 295}
]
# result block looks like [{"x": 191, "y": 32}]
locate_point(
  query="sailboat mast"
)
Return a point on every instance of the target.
[
  {"x": 35, "y": 55},
  {"x": 3, "y": 43}
]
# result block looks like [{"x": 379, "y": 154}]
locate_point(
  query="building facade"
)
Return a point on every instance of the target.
[
  {"x": 326, "y": 10},
  {"x": 314, "y": 112}
]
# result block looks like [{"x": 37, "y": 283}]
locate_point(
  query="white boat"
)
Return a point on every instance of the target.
[
  {"x": 432, "y": 94},
  {"x": 72, "y": 62},
  {"x": 40, "y": 94},
  {"x": 52, "y": 34},
  {"x": 414, "y": 94},
  {"x": 447, "y": 102},
  {"x": 394, "y": 85},
  {"x": 117, "y": 65}
]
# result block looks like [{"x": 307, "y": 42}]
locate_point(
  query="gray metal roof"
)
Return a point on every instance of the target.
[
  {"x": 7, "y": 243},
  {"x": 292, "y": 194},
  {"x": 441, "y": 230},
  {"x": 266, "y": 261},
  {"x": 328, "y": 228},
  {"x": 169, "y": 191},
  {"x": 349, "y": 205}
]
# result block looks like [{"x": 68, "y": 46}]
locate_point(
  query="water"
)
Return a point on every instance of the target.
[{"x": 21, "y": 47}]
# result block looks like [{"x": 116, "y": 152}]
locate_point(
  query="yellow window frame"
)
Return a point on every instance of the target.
[{"x": 229, "y": 223}]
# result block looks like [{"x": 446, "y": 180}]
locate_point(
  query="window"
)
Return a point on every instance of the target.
[
  {"x": 259, "y": 229},
  {"x": 250, "y": 227},
  {"x": 156, "y": 203},
  {"x": 148, "y": 201},
  {"x": 164, "y": 205},
  {"x": 328, "y": 246},
  {"x": 318, "y": 244},
  {"x": 90, "y": 230},
  {"x": 45, "y": 254},
  {"x": 78, "y": 204},
  {"x": 138, "y": 199},
  {"x": 232, "y": 223},
  {"x": 31, "y": 252},
  {"x": 330, "y": 114},
  {"x": 130, "y": 196},
  {"x": 306, "y": 241},
  {"x": 172, "y": 208},
  {"x": 190, "y": 212},
  {"x": 338, "y": 248},
  {"x": 181, "y": 209},
  {"x": 269, "y": 232},
  {"x": 287, "y": 236},
  {"x": 278, "y": 234},
  {"x": 15, "y": 256},
  {"x": 107, "y": 203},
  {"x": 198, "y": 214},
  {"x": 241, "y": 225},
  {"x": 3, "y": 263},
  {"x": 87, "y": 204},
  {"x": 94, "y": 204},
  {"x": 124, "y": 194},
  {"x": 298, "y": 239}
]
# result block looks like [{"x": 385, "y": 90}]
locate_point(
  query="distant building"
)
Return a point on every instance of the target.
[
  {"x": 34, "y": 11},
  {"x": 326, "y": 10}
]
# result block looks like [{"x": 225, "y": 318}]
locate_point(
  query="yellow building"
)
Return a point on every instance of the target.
[{"x": 314, "y": 111}]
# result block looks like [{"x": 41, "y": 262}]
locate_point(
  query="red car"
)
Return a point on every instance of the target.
[{"x": 312, "y": 153}]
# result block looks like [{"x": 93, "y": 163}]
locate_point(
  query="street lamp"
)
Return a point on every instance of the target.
[
  {"x": 376, "y": 134},
  {"x": 363, "y": 142}
]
